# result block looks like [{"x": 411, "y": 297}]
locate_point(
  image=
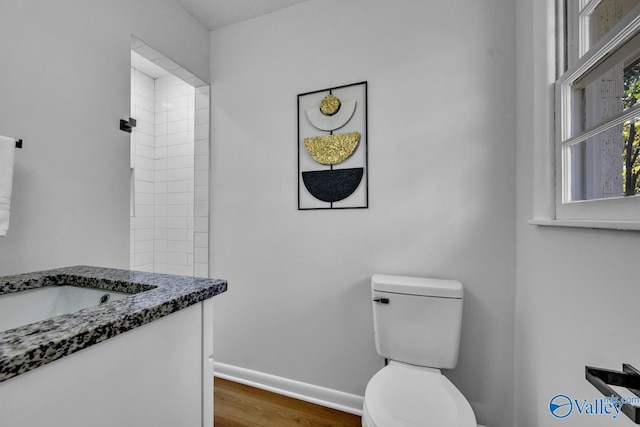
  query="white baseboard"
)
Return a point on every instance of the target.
[{"x": 334, "y": 399}]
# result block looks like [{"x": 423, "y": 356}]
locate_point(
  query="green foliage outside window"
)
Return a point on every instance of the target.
[{"x": 631, "y": 133}]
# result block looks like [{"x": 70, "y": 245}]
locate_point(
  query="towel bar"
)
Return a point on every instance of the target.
[{"x": 629, "y": 378}]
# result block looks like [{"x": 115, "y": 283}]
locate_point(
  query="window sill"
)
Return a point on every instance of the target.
[{"x": 604, "y": 225}]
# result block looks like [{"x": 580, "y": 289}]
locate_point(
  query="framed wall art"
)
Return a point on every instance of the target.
[{"x": 332, "y": 148}]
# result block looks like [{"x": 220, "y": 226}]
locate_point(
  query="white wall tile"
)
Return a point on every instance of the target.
[
  {"x": 143, "y": 258},
  {"x": 161, "y": 117},
  {"x": 162, "y": 95},
  {"x": 202, "y": 100},
  {"x": 178, "y": 91},
  {"x": 177, "y": 210},
  {"x": 143, "y": 222},
  {"x": 160, "y": 187},
  {"x": 177, "y": 150},
  {"x": 144, "y": 186},
  {"x": 172, "y": 81},
  {"x": 145, "y": 103},
  {"x": 143, "y": 175},
  {"x": 142, "y": 115},
  {"x": 162, "y": 83},
  {"x": 202, "y": 132},
  {"x": 177, "y": 222},
  {"x": 178, "y": 199},
  {"x": 177, "y": 234},
  {"x": 201, "y": 117},
  {"x": 160, "y": 211},
  {"x": 180, "y": 102},
  {"x": 201, "y": 224},
  {"x": 201, "y": 193},
  {"x": 143, "y": 234},
  {"x": 201, "y": 177},
  {"x": 201, "y": 240},
  {"x": 201, "y": 269},
  {"x": 161, "y": 164},
  {"x": 143, "y": 163},
  {"x": 143, "y": 138},
  {"x": 177, "y": 258},
  {"x": 177, "y": 126},
  {"x": 161, "y": 257},
  {"x": 177, "y": 138},
  {"x": 144, "y": 151},
  {"x": 201, "y": 147},
  {"x": 161, "y": 141},
  {"x": 160, "y": 268},
  {"x": 177, "y": 186},
  {"x": 160, "y": 106},
  {"x": 145, "y": 128},
  {"x": 144, "y": 246},
  {"x": 161, "y": 233},
  {"x": 160, "y": 245},
  {"x": 176, "y": 114},
  {"x": 201, "y": 208},
  {"x": 201, "y": 163},
  {"x": 161, "y": 153},
  {"x": 182, "y": 270},
  {"x": 144, "y": 213},
  {"x": 201, "y": 255},
  {"x": 177, "y": 162},
  {"x": 177, "y": 246},
  {"x": 177, "y": 174},
  {"x": 161, "y": 129}
]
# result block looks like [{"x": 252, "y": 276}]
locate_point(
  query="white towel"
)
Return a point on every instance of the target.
[{"x": 7, "y": 149}]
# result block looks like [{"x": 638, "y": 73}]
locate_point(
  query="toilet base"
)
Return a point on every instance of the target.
[{"x": 403, "y": 395}]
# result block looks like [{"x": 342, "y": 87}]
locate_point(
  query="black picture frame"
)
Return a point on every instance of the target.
[{"x": 344, "y": 185}]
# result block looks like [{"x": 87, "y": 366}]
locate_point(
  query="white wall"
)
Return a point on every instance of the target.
[
  {"x": 65, "y": 85},
  {"x": 442, "y": 194},
  {"x": 577, "y": 289}
]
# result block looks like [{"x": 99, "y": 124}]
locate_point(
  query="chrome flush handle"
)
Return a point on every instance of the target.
[{"x": 381, "y": 300}]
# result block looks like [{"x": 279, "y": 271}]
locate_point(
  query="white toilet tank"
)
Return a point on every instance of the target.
[{"x": 417, "y": 320}]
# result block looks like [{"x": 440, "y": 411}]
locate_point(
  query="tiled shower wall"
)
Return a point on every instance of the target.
[
  {"x": 169, "y": 229},
  {"x": 201, "y": 183},
  {"x": 174, "y": 151},
  {"x": 143, "y": 172}
]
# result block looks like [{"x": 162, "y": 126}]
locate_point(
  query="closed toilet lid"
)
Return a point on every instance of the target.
[{"x": 402, "y": 395}]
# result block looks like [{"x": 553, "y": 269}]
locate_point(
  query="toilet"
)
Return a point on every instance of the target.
[{"x": 417, "y": 323}]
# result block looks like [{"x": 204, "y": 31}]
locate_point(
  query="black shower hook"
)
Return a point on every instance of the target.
[{"x": 127, "y": 126}]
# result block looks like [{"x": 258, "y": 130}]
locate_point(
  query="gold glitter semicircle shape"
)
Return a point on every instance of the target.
[{"x": 332, "y": 149}]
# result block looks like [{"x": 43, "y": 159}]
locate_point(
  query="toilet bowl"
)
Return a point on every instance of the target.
[{"x": 402, "y": 395}]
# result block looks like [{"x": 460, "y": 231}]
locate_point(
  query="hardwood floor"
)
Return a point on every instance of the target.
[{"x": 238, "y": 405}]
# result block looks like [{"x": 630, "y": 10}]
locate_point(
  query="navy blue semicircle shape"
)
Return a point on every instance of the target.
[{"x": 332, "y": 185}]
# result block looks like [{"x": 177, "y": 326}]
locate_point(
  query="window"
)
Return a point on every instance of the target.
[{"x": 598, "y": 112}]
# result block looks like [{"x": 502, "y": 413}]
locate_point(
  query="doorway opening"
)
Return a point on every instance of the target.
[{"x": 169, "y": 227}]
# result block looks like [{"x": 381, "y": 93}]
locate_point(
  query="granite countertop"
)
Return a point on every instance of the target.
[{"x": 27, "y": 347}]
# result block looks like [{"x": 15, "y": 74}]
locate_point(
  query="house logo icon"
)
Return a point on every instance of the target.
[{"x": 560, "y": 406}]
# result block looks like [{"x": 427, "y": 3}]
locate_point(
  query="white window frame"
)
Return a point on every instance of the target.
[{"x": 618, "y": 212}]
